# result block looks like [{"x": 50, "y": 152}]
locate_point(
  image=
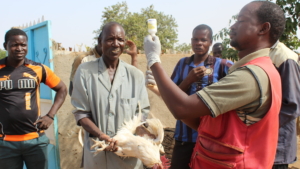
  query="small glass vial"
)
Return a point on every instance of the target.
[{"x": 152, "y": 26}]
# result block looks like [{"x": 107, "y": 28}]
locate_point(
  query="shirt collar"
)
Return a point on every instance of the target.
[
  {"x": 102, "y": 66},
  {"x": 248, "y": 58},
  {"x": 274, "y": 46},
  {"x": 96, "y": 53},
  {"x": 26, "y": 61},
  {"x": 208, "y": 60}
]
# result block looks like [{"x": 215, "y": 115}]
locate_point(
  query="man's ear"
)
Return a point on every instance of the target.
[
  {"x": 265, "y": 28},
  {"x": 99, "y": 41},
  {"x": 4, "y": 45}
]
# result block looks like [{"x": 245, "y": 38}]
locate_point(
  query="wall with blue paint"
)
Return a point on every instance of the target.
[{"x": 39, "y": 50}]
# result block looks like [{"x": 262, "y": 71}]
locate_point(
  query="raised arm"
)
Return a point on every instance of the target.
[
  {"x": 132, "y": 52},
  {"x": 193, "y": 76},
  {"x": 179, "y": 103}
]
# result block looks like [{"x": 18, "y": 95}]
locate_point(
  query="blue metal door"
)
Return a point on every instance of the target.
[{"x": 40, "y": 50}]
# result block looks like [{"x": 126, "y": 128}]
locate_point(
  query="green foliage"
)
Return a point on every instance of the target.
[
  {"x": 184, "y": 47},
  {"x": 291, "y": 9},
  {"x": 136, "y": 27},
  {"x": 228, "y": 52},
  {"x": 2, "y": 53},
  {"x": 289, "y": 37}
]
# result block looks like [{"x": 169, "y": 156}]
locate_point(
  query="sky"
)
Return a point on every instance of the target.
[{"x": 73, "y": 22}]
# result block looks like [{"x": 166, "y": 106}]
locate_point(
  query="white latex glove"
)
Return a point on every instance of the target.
[
  {"x": 150, "y": 81},
  {"x": 152, "y": 49}
]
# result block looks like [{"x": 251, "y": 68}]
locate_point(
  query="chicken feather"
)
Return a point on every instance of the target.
[{"x": 144, "y": 147}]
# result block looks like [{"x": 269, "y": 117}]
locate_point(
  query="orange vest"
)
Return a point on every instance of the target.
[{"x": 226, "y": 142}]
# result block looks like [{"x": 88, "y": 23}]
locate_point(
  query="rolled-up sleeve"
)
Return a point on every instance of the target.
[
  {"x": 231, "y": 92},
  {"x": 79, "y": 97},
  {"x": 290, "y": 77}
]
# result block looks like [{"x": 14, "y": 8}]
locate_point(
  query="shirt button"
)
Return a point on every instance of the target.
[
  {"x": 108, "y": 132},
  {"x": 111, "y": 114}
]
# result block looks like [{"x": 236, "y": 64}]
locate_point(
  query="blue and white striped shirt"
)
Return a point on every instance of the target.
[{"x": 184, "y": 66}]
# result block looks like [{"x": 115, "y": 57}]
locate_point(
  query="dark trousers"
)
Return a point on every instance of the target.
[
  {"x": 33, "y": 152},
  {"x": 280, "y": 166},
  {"x": 181, "y": 156}
]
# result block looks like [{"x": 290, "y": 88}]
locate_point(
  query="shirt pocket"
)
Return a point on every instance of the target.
[
  {"x": 126, "y": 104},
  {"x": 200, "y": 161},
  {"x": 125, "y": 101},
  {"x": 209, "y": 153}
]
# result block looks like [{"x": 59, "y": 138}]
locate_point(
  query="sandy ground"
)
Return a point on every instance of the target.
[{"x": 70, "y": 149}]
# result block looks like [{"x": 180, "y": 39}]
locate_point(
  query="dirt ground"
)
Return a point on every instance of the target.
[{"x": 70, "y": 149}]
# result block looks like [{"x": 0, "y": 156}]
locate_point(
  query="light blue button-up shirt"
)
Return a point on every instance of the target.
[{"x": 108, "y": 105}]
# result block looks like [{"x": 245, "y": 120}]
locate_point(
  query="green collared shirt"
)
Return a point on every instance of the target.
[{"x": 245, "y": 89}]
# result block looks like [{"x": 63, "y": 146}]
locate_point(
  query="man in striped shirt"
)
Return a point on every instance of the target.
[{"x": 192, "y": 74}]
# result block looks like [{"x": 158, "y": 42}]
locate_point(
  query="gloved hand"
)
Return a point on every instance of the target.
[
  {"x": 150, "y": 81},
  {"x": 152, "y": 49}
]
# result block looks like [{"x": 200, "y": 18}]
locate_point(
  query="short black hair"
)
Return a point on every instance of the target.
[
  {"x": 100, "y": 34},
  {"x": 217, "y": 44},
  {"x": 107, "y": 25},
  {"x": 204, "y": 27},
  {"x": 272, "y": 13},
  {"x": 13, "y": 32}
]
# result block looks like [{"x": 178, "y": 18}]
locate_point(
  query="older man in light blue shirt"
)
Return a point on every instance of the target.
[{"x": 106, "y": 93}]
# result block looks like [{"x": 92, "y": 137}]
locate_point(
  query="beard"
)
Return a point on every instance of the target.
[{"x": 234, "y": 44}]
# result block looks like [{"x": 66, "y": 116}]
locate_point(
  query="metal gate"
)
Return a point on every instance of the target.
[{"x": 40, "y": 50}]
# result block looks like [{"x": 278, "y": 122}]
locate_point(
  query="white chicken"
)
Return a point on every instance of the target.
[{"x": 141, "y": 140}]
